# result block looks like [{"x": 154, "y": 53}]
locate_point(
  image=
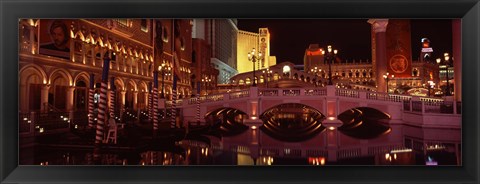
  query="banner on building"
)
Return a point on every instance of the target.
[
  {"x": 399, "y": 51},
  {"x": 55, "y": 37}
]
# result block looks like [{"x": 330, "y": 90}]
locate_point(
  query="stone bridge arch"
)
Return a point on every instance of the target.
[
  {"x": 318, "y": 105},
  {"x": 364, "y": 123},
  {"x": 229, "y": 121},
  {"x": 292, "y": 122}
]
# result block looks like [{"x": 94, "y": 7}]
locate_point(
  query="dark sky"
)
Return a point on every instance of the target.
[{"x": 290, "y": 37}]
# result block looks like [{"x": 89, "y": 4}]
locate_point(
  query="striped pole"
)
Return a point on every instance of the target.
[
  {"x": 91, "y": 92},
  {"x": 198, "y": 101},
  {"x": 155, "y": 103},
  {"x": 150, "y": 104},
  {"x": 174, "y": 102},
  {"x": 112, "y": 98},
  {"x": 102, "y": 107}
]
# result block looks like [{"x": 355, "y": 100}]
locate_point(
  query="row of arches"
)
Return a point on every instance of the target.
[
  {"x": 62, "y": 89},
  {"x": 293, "y": 122}
]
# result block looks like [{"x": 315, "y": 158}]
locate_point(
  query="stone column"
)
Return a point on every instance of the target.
[
  {"x": 44, "y": 98},
  {"x": 84, "y": 53},
  {"x": 122, "y": 102},
  {"x": 145, "y": 100},
  {"x": 93, "y": 54},
  {"x": 69, "y": 98},
  {"x": 122, "y": 97},
  {"x": 457, "y": 58},
  {"x": 72, "y": 49},
  {"x": 135, "y": 100},
  {"x": 379, "y": 26}
]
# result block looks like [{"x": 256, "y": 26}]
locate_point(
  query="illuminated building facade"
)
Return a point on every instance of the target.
[
  {"x": 358, "y": 74},
  {"x": 58, "y": 59},
  {"x": 246, "y": 41}
]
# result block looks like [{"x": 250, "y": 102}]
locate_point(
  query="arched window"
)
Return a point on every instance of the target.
[
  {"x": 241, "y": 82},
  {"x": 415, "y": 72},
  {"x": 275, "y": 76},
  {"x": 247, "y": 81}
]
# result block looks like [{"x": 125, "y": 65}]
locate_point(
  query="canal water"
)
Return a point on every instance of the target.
[{"x": 291, "y": 135}]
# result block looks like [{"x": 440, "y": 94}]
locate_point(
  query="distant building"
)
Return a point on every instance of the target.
[
  {"x": 221, "y": 35},
  {"x": 246, "y": 41}
]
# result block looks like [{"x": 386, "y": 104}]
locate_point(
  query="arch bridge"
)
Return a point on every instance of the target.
[{"x": 329, "y": 101}]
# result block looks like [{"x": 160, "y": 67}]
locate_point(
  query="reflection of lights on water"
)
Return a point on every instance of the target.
[
  {"x": 24, "y": 119},
  {"x": 331, "y": 128},
  {"x": 401, "y": 151},
  {"x": 29, "y": 121},
  {"x": 254, "y": 127},
  {"x": 76, "y": 126},
  {"x": 316, "y": 160},
  {"x": 331, "y": 118},
  {"x": 41, "y": 130},
  {"x": 65, "y": 119}
]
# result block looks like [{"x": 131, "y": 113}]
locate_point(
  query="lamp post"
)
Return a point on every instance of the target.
[
  {"x": 315, "y": 72},
  {"x": 205, "y": 81},
  {"x": 253, "y": 58},
  {"x": 447, "y": 64},
  {"x": 386, "y": 77},
  {"x": 329, "y": 57},
  {"x": 267, "y": 75}
]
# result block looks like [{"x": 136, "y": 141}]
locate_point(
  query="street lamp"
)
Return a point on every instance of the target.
[
  {"x": 329, "y": 57},
  {"x": 447, "y": 64},
  {"x": 386, "y": 77},
  {"x": 315, "y": 72},
  {"x": 205, "y": 81},
  {"x": 267, "y": 72},
  {"x": 252, "y": 57}
]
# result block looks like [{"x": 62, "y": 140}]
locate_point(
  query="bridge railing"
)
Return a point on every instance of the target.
[
  {"x": 432, "y": 107},
  {"x": 347, "y": 93},
  {"x": 291, "y": 92},
  {"x": 239, "y": 94},
  {"x": 316, "y": 92},
  {"x": 268, "y": 92},
  {"x": 387, "y": 97}
]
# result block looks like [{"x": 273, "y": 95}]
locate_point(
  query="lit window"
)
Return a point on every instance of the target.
[
  {"x": 144, "y": 25},
  {"x": 286, "y": 69}
]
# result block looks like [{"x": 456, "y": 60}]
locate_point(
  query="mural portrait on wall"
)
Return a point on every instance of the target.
[{"x": 55, "y": 38}]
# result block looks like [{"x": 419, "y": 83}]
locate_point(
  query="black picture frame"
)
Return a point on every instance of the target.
[{"x": 11, "y": 11}]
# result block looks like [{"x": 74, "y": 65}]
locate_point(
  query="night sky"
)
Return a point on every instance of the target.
[{"x": 290, "y": 37}]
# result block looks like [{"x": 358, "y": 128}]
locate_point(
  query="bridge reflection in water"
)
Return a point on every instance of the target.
[{"x": 292, "y": 134}]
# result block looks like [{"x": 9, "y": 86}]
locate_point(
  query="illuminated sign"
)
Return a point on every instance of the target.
[{"x": 427, "y": 50}]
